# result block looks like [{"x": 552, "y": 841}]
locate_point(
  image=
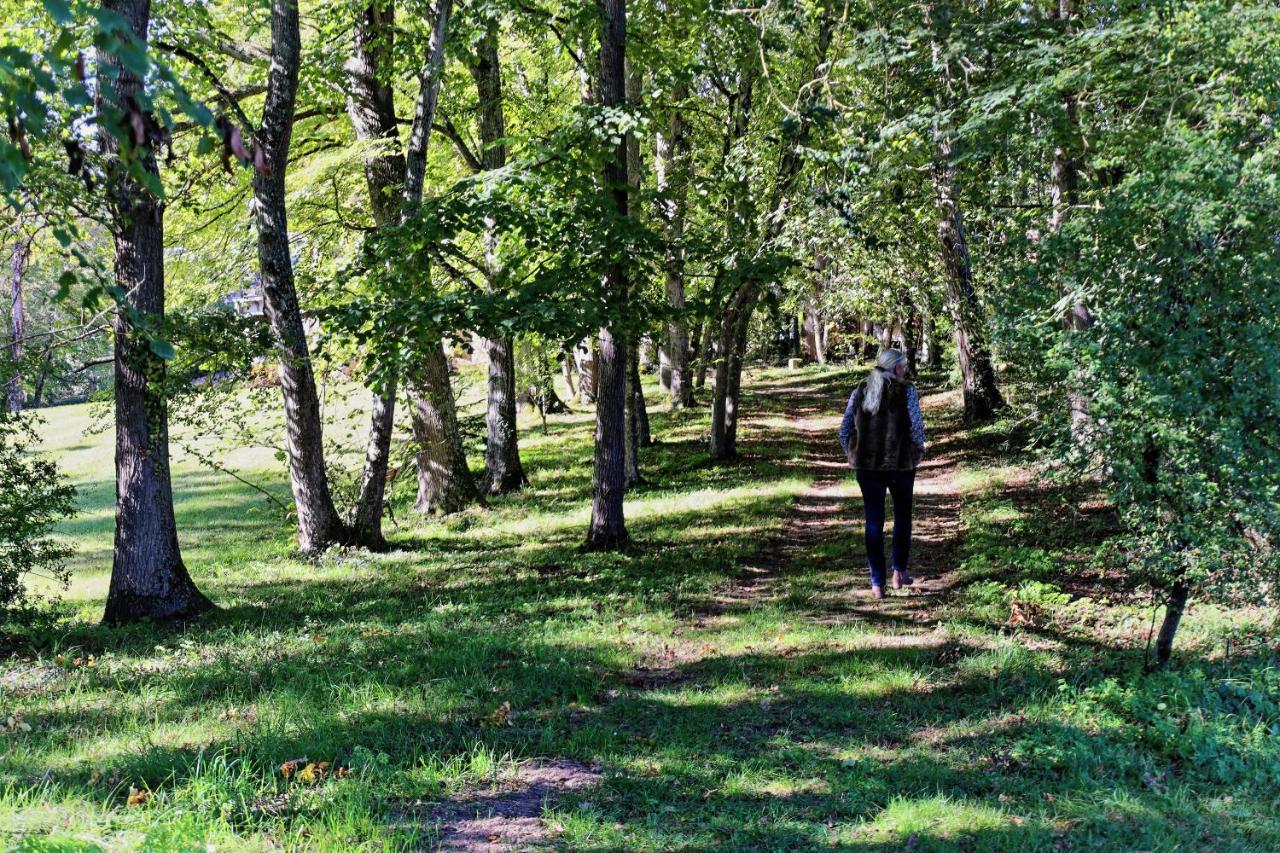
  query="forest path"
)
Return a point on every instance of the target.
[{"x": 822, "y": 531}]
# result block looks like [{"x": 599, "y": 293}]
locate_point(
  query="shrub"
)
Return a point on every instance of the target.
[{"x": 33, "y": 496}]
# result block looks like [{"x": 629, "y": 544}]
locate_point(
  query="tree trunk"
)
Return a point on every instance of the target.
[
  {"x": 37, "y": 393},
  {"x": 734, "y": 324},
  {"x": 395, "y": 187},
  {"x": 815, "y": 333},
  {"x": 664, "y": 369},
  {"x": 740, "y": 212},
  {"x": 931, "y": 345},
  {"x": 981, "y": 396},
  {"x": 318, "y": 523},
  {"x": 631, "y": 419},
  {"x": 503, "y": 472},
  {"x": 644, "y": 434},
  {"x": 1064, "y": 180},
  {"x": 148, "y": 578},
  {"x": 585, "y": 356},
  {"x": 566, "y": 366},
  {"x": 445, "y": 484},
  {"x": 649, "y": 355},
  {"x": 371, "y": 106},
  {"x": 672, "y": 167},
  {"x": 608, "y": 527},
  {"x": 726, "y": 405},
  {"x": 704, "y": 353},
  {"x": 17, "y": 317},
  {"x": 1173, "y": 610},
  {"x": 868, "y": 333},
  {"x": 910, "y": 340}
]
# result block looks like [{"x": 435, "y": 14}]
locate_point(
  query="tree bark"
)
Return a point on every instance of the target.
[
  {"x": 815, "y": 332},
  {"x": 672, "y": 167},
  {"x": 931, "y": 345},
  {"x": 1064, "y": 180},
  {"x": 632, "y": 418},
  {"x": 981, "y": 396},
  {"x": 608, "y": 530},
  {"x": 585, "y": 356},
  {"x": 37, "y": 394},
  {"x": 726, "y": 394},
  {"x": 17, "y": 317},
  {"x": 1174, "y": 607},
  {"x": 318, "y": 523},
  {"x": 566, "y": 367},
  {"x": 910, "y": 339},
  {"x": 371, "y": 106},
  {"x": 740, "y": 212},
  {"x": 395, "y": 182},
  {"x": 503, "y": 471},
  {"x": 704, "y": 353},
  {"x": 733, "y": 331},
  {"x": 148, "y": 577},
  {"x": 445, "y": 484}
]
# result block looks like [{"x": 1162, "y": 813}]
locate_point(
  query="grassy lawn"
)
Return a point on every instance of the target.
[{"x": 1003, "y": 706}]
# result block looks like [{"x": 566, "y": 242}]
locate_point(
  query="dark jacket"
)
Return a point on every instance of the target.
[{"x": 880, "y": 441}]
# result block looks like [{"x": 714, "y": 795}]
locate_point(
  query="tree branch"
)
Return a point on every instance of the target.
[
  {"x": 228, "y": 97},
  {"x": 448, "y": 130}
]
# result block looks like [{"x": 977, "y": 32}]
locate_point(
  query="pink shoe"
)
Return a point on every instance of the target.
[
  {"x": 877, "y": 592},
  {"x": 901, "y": 579}
]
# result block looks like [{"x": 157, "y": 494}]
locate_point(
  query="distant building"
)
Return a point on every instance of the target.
[
  {"x": 249, "y": 302},
  {"x": 252, "y": 302}
]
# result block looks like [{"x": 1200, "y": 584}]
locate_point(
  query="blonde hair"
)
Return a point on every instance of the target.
[{"x": 885, "y": 371}]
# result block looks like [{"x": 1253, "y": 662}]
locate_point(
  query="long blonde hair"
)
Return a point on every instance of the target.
[{"x": 884, "y": 371}]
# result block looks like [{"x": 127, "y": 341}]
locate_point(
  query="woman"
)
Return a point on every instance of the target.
[{"x": 883, "y": 437}]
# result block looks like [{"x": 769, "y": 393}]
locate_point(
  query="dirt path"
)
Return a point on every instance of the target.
[{"x": 832, "y": 507}]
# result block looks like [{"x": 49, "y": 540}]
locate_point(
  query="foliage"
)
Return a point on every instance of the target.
[
  {"x": 1170, "y": 246},
  {"x": 33, "y": 498},
  {"x": 432, "y": 671}
]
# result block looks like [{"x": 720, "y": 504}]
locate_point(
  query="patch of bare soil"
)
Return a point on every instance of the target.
[{"x": 509, "y": 814}]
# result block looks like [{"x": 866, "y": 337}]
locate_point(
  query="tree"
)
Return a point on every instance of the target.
[
  {"x": 17, "y": 320},
  {"x": 736, "y": 317},
  {"x": 319, "y": 524},
  {"x": 608, "y": 530},
  {"x": 148, "y": 578},
  {"x": 503, "y": 472},
  {"x": 395, "y": 184},
  {"x": 981, "y": 396},
  {"x": 671, "y": 168}
]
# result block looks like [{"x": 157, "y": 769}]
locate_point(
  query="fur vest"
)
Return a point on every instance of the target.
[{"x": 882, "y": 441}]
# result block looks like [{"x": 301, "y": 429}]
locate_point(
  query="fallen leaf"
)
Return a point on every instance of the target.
[{"x": 502, "y": 715}]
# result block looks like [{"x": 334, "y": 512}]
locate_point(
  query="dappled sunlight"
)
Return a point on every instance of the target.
[{"x": 729, "y": 677}]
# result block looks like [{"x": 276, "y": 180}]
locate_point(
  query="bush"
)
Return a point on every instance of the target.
[{"x": 33, "y": 496}]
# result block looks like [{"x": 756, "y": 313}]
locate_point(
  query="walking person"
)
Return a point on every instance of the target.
[{"x": 883, "y": 437}]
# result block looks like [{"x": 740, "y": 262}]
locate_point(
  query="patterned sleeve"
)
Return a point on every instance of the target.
[
  {"x": 847, "y": 425},
  {"x": 917, "y": 419}
]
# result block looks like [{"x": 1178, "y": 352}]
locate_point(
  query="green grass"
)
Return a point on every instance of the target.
[{"x": 796, "y": 722}]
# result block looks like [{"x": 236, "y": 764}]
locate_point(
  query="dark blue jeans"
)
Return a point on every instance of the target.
[{"x": 900, "y": 485}]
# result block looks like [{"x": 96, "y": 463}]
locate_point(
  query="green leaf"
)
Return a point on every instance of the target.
[
  {"x": 66, "y": 281},
  {"x": 59, "y": 10},
  {"x": 162, "y": 348}
]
